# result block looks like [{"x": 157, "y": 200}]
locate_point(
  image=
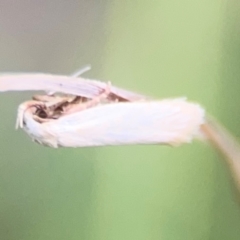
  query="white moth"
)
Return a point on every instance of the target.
[{"x": 101, "y": 115}]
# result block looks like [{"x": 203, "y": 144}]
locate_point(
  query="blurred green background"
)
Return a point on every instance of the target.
[{"x": 161, "y": 48}]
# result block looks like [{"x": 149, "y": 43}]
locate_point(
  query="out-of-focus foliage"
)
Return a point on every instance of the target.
[{"x": 160, "y": 48}]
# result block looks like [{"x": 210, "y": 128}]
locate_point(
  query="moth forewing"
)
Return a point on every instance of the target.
[
  {"x": 173, "y": 122},
  {"x": 65, "y": 84}
]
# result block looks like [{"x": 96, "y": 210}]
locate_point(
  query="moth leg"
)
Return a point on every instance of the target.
[
  {"x": 43, "y": 98},
  {"x": 52, "y": 103},
  {"x": 39, "y": 119},
  {"x": 93, "y": 102},
  {"x": 26, "y": 106}
]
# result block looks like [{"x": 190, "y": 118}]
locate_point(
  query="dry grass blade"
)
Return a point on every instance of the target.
[{"x": 226, "y": 144}]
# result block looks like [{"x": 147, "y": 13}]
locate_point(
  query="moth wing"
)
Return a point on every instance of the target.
[
  {"x": 64, "y": 84},
  {"x": 172, "y": 121}
]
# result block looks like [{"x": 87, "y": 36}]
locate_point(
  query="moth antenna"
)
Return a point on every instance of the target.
[{"x": 80, "y": 71}]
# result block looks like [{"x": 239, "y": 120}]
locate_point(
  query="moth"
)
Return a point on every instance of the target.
[{"x": 79, "y": 112}]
